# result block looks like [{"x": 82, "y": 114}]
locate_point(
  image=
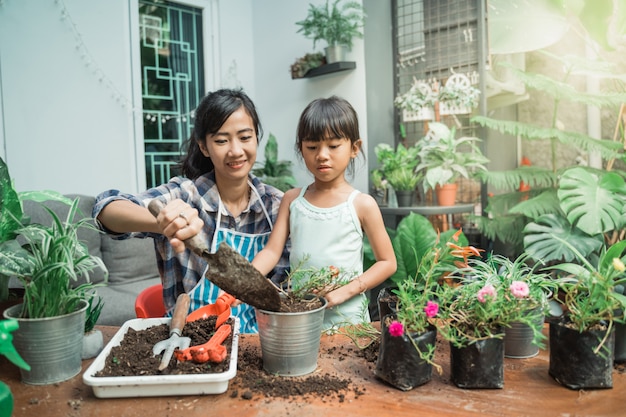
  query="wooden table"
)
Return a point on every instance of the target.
[{"x": 528, "y": 391}]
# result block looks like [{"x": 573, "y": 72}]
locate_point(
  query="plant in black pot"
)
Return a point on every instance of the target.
[
  {"x": 48, "y": 260},
  {"x": 336, "y": 23},
  {"x": 582, "y": 339},
  {"x": 476, "y": 306}
]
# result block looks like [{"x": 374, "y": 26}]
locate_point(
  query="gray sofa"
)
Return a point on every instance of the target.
[{"x": 131, "y": 263}]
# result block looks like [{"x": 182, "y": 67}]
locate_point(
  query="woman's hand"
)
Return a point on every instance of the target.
[{"x": 179, "y": 221}]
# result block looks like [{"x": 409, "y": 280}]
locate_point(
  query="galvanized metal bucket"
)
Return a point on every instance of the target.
[
  {"x": 518, "y": 341},
  {"x": 52, "y": 346},
  {"x": 290, "y": 342}
]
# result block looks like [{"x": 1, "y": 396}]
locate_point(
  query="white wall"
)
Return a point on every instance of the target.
[{"x": 66, "y": 120}]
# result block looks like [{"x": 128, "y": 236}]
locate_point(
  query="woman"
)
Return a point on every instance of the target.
[{"x": 217, "y": 197}]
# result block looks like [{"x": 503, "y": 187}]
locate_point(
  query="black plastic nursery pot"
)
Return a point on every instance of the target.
[
  {"x": 387, "y": 302},
  {"x": 573, "y": 362},
  {"x": 479, "y": 365},
  {"x": 399, "y": 363}
]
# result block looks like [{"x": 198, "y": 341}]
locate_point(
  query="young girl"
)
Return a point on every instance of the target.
[
  {"x": 217, "y": 198},
  {"x": 326, "y": 219}
]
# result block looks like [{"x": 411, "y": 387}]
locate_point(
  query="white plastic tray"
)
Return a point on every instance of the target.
[{"x": 157, "y": 385}]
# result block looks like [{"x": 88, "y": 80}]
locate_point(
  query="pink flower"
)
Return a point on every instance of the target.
[
  {"x": 486, "y": 291},
  {"x": 519, "y": 289},
  {"x": 396, "y": 329},
  {"x": 431, "y": 309}
]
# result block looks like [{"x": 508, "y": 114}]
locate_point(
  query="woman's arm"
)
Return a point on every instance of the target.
[{"x": 177, "y": 220}]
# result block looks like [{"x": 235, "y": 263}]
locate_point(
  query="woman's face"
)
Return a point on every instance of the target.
[{"x": 233, "y": 148}]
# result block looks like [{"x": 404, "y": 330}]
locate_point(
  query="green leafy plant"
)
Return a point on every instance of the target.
[
  {"x": 444, "y": 158},
  {"x": 93, "y": 312},
  {"x": 274, "y": 172},
  {"x": 48, "y": 262},
  {"x": 589, "y": 286},
  {"x": 303, "y": 64},
  {"x": 488, "y": 296},
  {"x": 12, "y": 217},
  {"x": 335, "y": 23},
  {"x": 397, "y": 167},
  {"x": 419, "y": 96}
]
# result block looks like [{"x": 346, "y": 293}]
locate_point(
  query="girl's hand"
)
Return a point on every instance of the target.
[{"x": 179, "y": 221}]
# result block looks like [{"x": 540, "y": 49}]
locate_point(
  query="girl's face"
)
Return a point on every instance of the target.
[
  {"x": 329, "y": 158},
  {"x": 233, "y": 148}
]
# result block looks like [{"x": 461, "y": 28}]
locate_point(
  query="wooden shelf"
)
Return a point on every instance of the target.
[{"x": 330, "y": 68}]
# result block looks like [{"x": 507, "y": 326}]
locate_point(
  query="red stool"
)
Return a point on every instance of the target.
[{"x": 149, "y": 303}]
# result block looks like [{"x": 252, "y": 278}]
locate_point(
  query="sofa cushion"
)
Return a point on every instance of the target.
[
  {"x": 91, "y": 237},
  {"x": 129, "y": 260}
]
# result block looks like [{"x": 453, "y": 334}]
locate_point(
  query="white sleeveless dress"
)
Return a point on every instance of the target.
[{"x": 330, "y": 236}]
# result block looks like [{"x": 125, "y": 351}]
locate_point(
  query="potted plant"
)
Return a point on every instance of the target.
[
  {"x": 52, "y": 316},
  {"x": 336, "y": 24},
  {"x": 444, "y": 158},
  {"x": 457, "y": 96},
  {"x": 290, "y": 338},
  {"x": 582, "y": 339},
  {"x": 418, "y": 103},
  {"x": 379, "y": 187},
  {"x": 473, "y": 314},
  {"x": 408, "y": 333},
  {"x": 303, "y": 64},
  {"x": 398, "y": 168},
  {"x": 274, "y": 172}
]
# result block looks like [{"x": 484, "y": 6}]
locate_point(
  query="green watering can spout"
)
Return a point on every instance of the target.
[{"x": 6, "y": 343}]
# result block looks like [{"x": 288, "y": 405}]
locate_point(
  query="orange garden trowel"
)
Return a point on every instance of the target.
[
  {"x": 221, "y": 309},
  {"x": 211, "y": 351}
]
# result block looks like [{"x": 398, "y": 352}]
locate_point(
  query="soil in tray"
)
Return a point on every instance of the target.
[{"x": 133, "y": 357}]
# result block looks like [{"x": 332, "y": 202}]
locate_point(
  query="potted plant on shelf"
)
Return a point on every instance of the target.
[
  {"x": 444, "y": 158},
  {"x": 398, "y": 168},
  {"x": 335, "y": 23},
  {"x": 473, "y": 314},
  {"x": 582, "y": 338},
  {"x": 308, "y": 62},
  {"x": 379, "y": 187},
  {"x": 47, "y": 260}
]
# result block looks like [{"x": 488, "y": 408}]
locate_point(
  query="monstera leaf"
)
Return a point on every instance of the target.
[
  {"x": 543, "y": 239},
  {"x": 594, "y": 202}
]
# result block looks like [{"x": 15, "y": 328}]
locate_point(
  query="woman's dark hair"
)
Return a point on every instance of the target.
[
  {"x": 324, "y": 117},
  {"x": 211, "y": 114}
]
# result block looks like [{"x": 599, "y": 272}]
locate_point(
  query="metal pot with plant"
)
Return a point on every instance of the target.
[
  {"x": 336, "y": 24},
  {"x": 444, "y": 157},
  {"x": 48, "y": 261},
  {"x": 398, "y": 167}
]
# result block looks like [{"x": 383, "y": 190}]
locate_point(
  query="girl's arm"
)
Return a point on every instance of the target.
[
  {"x": 269, "y": 256},
  {"x": 123, "y": 216},
  {"x": 385, "y": 265}
]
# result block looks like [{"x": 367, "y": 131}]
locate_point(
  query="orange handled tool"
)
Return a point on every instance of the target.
[
  {"x": 211, "y": 351},
  {"x": 221, "y": 309}
]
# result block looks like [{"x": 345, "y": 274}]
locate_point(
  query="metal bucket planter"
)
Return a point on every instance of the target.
[
  {"x": 290, "y": 342},
  {"x": 518, "y": 340},
  {"x": 52, "y": 346},
  {"x": 573, "y": 362}
]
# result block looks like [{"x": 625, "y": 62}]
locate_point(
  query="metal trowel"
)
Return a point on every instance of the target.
[{"x": 232, "y": 272}]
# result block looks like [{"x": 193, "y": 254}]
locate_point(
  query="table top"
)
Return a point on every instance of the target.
[{"x": 528, "y": 391}]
